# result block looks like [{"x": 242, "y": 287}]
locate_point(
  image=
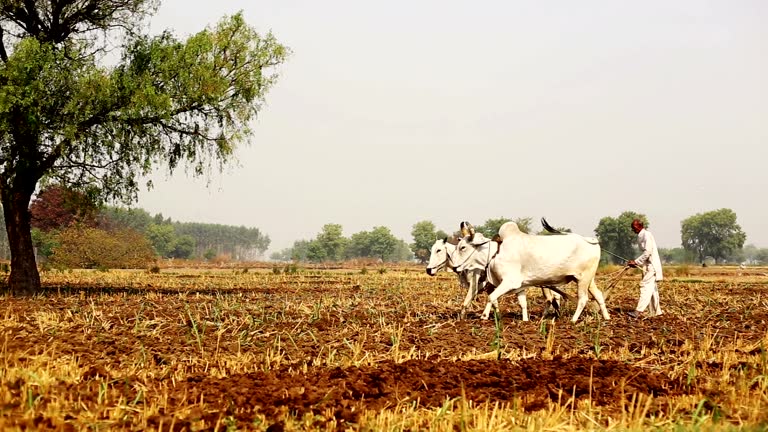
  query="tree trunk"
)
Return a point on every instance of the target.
[{"x": 24, "y": 278}]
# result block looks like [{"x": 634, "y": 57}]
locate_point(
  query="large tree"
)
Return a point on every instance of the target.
[
  {"x": 67, "y": 116},
  {"x": 713, "y": 233},
  {"x": 616, "y": 236},
  {"x": 329, "y": 243},
  {"x": 377, "y": 243},
  {"x": 424, "y": 235}
]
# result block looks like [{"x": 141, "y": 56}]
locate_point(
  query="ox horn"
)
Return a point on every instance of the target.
[{"x": 464, "y": 226}]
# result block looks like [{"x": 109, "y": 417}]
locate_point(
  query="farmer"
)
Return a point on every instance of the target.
[{"x": 650, "y": 263}]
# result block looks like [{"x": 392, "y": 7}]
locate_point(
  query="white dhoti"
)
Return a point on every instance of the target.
[{"x": 649, "y": 292}]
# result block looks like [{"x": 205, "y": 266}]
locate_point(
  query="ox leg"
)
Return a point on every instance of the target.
[
  {"x": 493, "y": 299},
  {"x": 471, "y": 293},
  {"x": 583, "y": 296},
  {"x": 553, "y": 299},
  {"x": 598, "y": 295},
  {"x": 523, "y": 300}
]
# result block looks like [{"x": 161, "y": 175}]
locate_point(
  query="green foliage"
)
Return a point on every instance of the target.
[
  {"x": 713, "y": 233},
  {"x": 162, "y": 237},
  {"x": 752, "y": 255},
  {"x": 45, "y": 242},
  {"x": 676, "y": 255},
  {"x": 316, "y": 252},
  {"x": 616, "y": 235},
  {"x": 241, "y": 242},
  {"x": 329, "y": 244},
  {"x": 136, "y": 219},
  {"x": 424, "y": 235},
  {"x": 359, "y": 245},
  {"x": 85, "y": 247},
  {"x": 382, "y": 243},
  {"x": 209, "y": 254},
  {"x": 188, "y": 239},
  {"x": 402, "y": 252},
  {"x": 300, "y": 250},
  {"x": 183, "y": 247},
  {"x": 180, "y": 101},
  {"x": 67, "y": 117},
  {"x": 491, "y": 227},
  {"x": 377, "y": 243}
]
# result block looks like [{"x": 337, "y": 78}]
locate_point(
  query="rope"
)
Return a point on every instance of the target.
[
  {"x": 607, "y": 291},
  {"x": 611, "y": 253},
  {"x": 610, "y": 275}
]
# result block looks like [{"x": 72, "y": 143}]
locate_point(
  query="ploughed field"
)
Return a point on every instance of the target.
[{"x": 376, "y": 349}]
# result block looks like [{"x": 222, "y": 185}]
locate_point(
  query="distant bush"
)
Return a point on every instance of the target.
[
  {"x": 85, "y": 247},
  {"x": 681, "y": 270},
  {"x": 221, "y": 259}
]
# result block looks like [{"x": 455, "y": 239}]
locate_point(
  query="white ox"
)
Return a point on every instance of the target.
[
  {"x": 440, "y": 259},
  {"x": 476, "y": 265},
  {"x": 469, "y": 277},
  {"x": 473, "y": 270},
  {"x": 527, "y": 260}
]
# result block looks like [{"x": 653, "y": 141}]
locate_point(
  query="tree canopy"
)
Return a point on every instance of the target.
[
  {"x": 714, "y": 233},
  {"x": 66, "y": 116},
  {"x": 331, "y": 245},
  {"x": 424, "y": 235},
  {"x": 616, "y": 236}
]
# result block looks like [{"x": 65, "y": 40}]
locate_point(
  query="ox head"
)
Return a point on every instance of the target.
[
  {"x": 462, "y": 257},
  {"x": 439, "y": 255}
]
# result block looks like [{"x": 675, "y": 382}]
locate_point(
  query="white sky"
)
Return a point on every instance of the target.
[{"x": 390, "y": 113}]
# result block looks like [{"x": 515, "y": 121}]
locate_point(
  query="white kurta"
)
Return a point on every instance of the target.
[
  {"x": 650, "y": 255},
  {"x": 650, "y": 262}
]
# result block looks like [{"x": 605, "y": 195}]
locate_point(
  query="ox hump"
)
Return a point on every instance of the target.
[{"x": 508, "y": 230}]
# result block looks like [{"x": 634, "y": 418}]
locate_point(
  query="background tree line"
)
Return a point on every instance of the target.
[
  {"x": 330, "y": 245},
  {"x": 70, "y": 230},
  {"x": 710, "y": 236}
]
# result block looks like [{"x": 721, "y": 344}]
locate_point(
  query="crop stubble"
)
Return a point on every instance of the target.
[{"x": 335, "y": 349}]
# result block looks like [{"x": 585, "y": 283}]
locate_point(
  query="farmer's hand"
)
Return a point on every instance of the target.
[{"x": 631, "y": 263}]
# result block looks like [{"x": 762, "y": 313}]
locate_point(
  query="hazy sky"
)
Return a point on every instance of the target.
[{"x": 390, "y": 113}]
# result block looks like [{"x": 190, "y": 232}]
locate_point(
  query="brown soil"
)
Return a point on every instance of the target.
[{"x": 110, "y": 329}]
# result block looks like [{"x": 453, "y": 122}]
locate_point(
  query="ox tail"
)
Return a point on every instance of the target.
[{"x": 549, "y": 227}]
